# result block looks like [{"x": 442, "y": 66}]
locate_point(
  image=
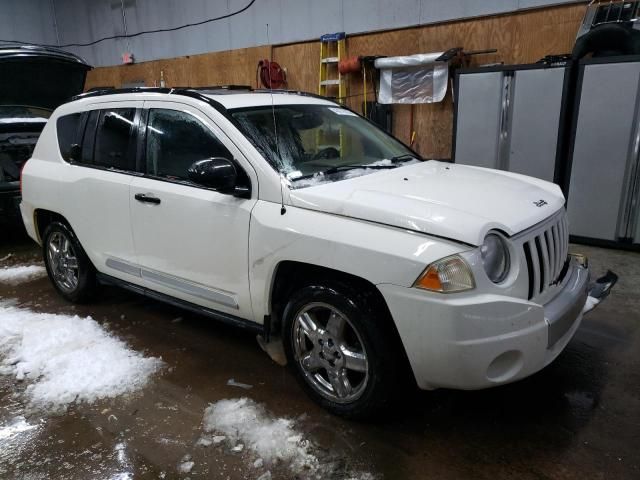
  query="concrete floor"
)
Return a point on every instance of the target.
[{"x": 577, "y": 419}]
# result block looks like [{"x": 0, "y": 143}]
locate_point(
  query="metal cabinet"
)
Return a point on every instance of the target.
[
  {"x": 512, "y": 118},
  {"x": 603, "y": 197}
]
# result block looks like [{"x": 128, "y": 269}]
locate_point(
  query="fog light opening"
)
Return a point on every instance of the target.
[{"x": 505, "y": 366}]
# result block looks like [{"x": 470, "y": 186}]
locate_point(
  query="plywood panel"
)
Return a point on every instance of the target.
[
  {"x": 103, "y": 77},
  {"x": 302, "y": 61},
  {"x": 236, "y": 67},
  {"x": 176, "y": 72},
  {"x": 519, "y": 37},
  {"x": 219, "y": 68}
]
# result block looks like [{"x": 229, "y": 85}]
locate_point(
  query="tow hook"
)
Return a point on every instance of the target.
[{"x": 599, "y": 290}]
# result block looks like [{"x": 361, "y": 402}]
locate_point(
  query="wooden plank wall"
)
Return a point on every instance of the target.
[{"x": 521, "y": 37}]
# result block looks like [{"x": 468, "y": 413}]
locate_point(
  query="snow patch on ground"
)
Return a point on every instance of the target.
[
  {"x": 362, "y": 476},
  {"x": 68, "y": 359},
  {"x": 14, "y": 427},
  {"x": 232, "y": 383},
  {"x": 23, "y": 273},
  {"x": 243, "y": 421},
  {"x": 186, "y": 464},
  {"x": 270, "y": 441}
]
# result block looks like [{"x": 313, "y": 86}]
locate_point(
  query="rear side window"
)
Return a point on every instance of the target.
[
  {"x": 115, "y": 139},
  {"x": 175, "y": 140},
  {"x": 69, "y": 133}
]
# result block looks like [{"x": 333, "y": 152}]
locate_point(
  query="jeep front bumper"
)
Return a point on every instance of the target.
[{"x": 483, "y": 340}]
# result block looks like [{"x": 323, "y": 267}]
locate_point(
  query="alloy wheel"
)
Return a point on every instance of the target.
[
  {"x": 63, "y": 262},
  {"x": 330, "y": 352}
]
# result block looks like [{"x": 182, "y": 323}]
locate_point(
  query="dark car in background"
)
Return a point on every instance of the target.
[{"x": 34, "y": 81}]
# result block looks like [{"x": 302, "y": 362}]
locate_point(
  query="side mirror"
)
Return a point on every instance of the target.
[{"x": 217, "y": 173}]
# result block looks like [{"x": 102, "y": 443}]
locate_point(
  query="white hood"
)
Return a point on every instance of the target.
[{"x": 448, "y": 200}]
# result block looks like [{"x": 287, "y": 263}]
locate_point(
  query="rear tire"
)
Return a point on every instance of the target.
[
  {"x": 69, "y": 269},
  {"x": 341, "y": 349}
]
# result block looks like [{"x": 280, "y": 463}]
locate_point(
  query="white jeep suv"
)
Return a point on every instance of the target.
[{"x": 290, "y": 215}]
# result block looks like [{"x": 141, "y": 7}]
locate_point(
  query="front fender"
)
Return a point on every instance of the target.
[{"x": 374, "y": 252}]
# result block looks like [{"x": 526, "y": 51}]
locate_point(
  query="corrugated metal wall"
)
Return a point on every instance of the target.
[
  {"x": 81, "y": 21},
  {"x": 28, "y": 21}
]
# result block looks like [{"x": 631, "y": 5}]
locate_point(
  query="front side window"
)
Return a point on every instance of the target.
[
  {"x": 115, "y": 139},
  {"x": 310, "y": 144},
  {"x": 175, "y": 140}
]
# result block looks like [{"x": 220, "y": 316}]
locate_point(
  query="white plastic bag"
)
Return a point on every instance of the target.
[{"x": 412, "y": 79}]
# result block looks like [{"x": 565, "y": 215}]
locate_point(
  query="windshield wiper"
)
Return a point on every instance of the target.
[
  {"x": 405, "y": 158},
  {"x": 343, "y": 168}
]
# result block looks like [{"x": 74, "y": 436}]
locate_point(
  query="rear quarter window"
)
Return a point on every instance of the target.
[{"x": 68, "y": 127}]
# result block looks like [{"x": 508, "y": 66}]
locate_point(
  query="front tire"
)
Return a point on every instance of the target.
[
  {"x": 68, "y": 266},
  {"x": 341, "y": 349}
]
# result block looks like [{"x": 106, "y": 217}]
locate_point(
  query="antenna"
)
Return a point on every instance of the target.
[{"x": 283, "y": 209}]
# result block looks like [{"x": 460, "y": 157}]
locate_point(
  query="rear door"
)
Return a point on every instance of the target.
[
  {"x": 191, "y": 242},
  {"x": 95, "y": 187}
]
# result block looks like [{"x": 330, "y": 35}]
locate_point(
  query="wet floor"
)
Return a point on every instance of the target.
[{"x": 579, "y": 418}]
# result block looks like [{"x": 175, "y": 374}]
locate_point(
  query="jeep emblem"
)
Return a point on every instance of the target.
[{"x": 540, "y": 203}]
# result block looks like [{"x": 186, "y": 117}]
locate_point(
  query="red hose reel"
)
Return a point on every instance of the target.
[{"x": 271, "y": 74}]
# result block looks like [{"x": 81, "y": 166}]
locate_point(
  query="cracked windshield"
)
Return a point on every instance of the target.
[{"x": 320, "y": 143}]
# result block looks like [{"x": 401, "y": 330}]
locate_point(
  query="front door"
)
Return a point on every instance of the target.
[{"x": 191, "y": 242}]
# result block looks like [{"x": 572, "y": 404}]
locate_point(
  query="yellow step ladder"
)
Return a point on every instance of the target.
[
  {"x": 332, "y": 50},
  {"x": 332, "y": 85}
]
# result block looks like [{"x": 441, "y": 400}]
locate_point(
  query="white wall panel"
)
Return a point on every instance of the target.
[
  {"x": 297, "y": 19},
  {"x": 28, "y": 21},
  {"x": 535, "y": 3},
  {"x": 327, "y": 16},
  {"x": 367, "y": 15},
  {"x": 289, "y": 21},
  {"x": 250, "y": 28},
  {"x": 444, "y": 10}
]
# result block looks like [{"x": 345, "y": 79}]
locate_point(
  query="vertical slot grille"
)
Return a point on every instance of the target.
[
  {"x": 545, "y": 253},
  {"x": 541, "y": 265},
  {"x": 528, "y": 258}
]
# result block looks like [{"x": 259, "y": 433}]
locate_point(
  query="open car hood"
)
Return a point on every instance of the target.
[
  {"x": 40, "y": 77},
  {"x": 458, "y": 202}
]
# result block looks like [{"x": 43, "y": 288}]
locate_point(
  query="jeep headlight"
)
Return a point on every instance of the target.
[
  {"x": 495, "y": 257},
  {"x": 448, "y": 275}
]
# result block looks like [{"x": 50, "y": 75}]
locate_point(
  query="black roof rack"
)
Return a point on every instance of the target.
[
  {"x": 224, "y": 87},
  {"x": 115, "y": 91},
  {"x": 187, "y": 92},
  {"x": 197, "y": 93},
  {"x": 293, "y": 92},
  {"x": 214, "y": 89}
]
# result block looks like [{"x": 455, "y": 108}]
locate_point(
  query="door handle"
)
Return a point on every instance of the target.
[{"x": 147, "y": 198}]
